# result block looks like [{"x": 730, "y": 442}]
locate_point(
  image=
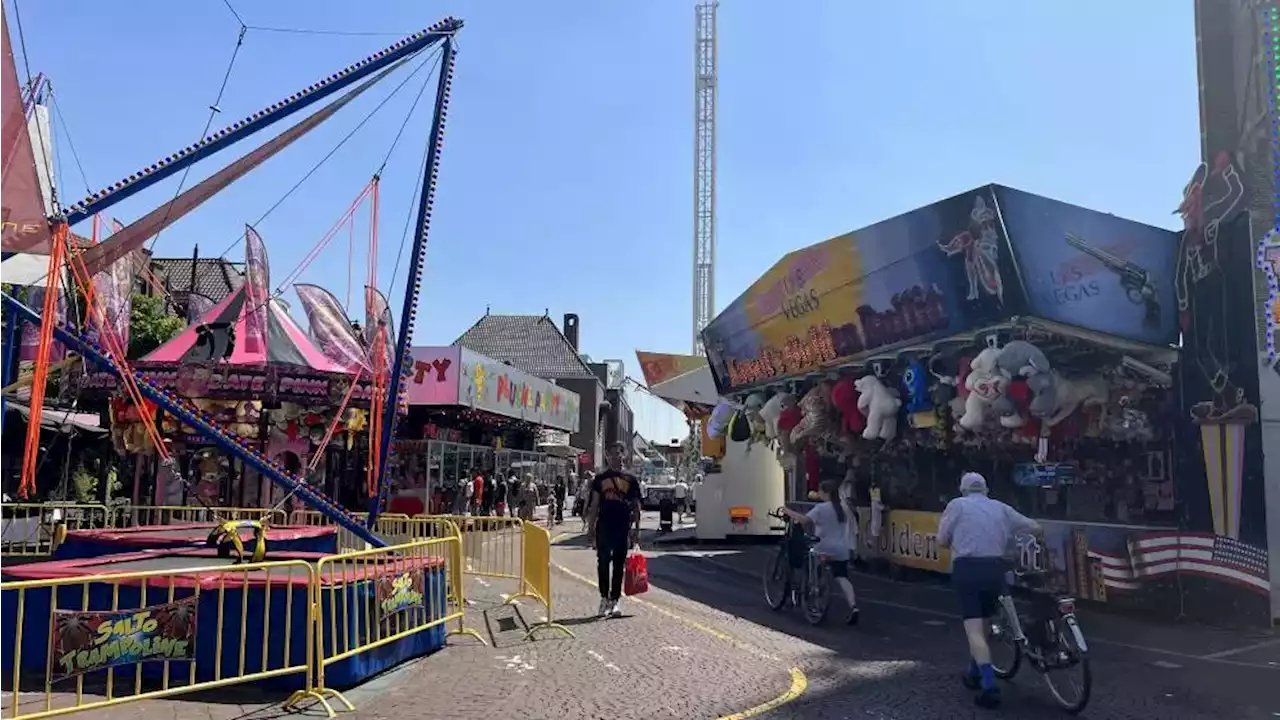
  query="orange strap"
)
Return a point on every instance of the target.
[{"x": 40, "y": 372}]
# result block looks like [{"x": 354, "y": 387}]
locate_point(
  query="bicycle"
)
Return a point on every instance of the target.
[
  {"x": 813, "y": 595},
  {"x": 1057, "y": 642}
]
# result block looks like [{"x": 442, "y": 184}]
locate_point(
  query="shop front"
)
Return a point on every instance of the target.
[
  {"x": 1024, "y": 338},
  {"x": 470, "y": 416}
]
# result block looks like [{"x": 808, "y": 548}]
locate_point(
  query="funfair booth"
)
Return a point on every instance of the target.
[{"x": 1015, "y": 335}]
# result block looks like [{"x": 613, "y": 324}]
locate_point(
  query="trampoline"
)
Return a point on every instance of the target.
[
  {"x": 280, "y": 539},
  {"x": 234, "y": 623}
]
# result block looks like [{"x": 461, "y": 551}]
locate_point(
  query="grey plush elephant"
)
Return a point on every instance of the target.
[{"x": 1022, "y": 359}]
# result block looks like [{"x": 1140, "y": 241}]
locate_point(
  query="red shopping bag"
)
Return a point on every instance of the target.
[{"x": 636, "y": 578}]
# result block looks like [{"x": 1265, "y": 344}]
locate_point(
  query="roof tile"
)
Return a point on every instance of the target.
[
  {"x": 532, "y": 343},
  {"x": 215, "y": 278}
]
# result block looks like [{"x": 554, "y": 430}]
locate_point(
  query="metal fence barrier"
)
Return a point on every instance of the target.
[
  {"x": 375, "y": 597},
  {"x": 142, "y": 515},
  {"x": 90, "y": 642},
  {"x": 30, "y": 529}
]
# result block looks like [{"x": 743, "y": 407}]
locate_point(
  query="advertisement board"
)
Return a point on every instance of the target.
[
  {"x": 433, "y": 379},
  {"x": 86, "y": 641},
  {"x": 932, "y": 272},
  {"x": 661, "y": 367},
  {"x": 908, "y": 538},
  {"x": 1093, "y": 270},
  {"x": 492, "y": 386}
]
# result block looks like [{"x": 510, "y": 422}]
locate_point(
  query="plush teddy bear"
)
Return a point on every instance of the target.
[
  {"x": 985, "y": 384},
  {"x": 880, "y": 406},
  {"x": 844, "y": 396},
  {"x": 751, "y": 408}
]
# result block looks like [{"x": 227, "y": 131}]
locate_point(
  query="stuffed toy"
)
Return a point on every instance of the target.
[
  {"x": 1022, "y": 359},
  {"x": 788, "y": 420},
  {"x": 915, "y": 385},
  {"x": 719, "y": 421},
  {"x": 751, "y": 408},
  {"x": 880, "y": 405},
  {"x": 1091, "y": 391},
  {"x": 985, "y": 384},
  {"x": 945, "y": 370},
  {"x": 816, "y": 406},
  {"x": 772, "y": 410},
  {"x": 844, "y": 397}
]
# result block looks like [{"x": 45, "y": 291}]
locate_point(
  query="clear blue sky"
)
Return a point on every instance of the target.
[{"x": 567, "y": 174}]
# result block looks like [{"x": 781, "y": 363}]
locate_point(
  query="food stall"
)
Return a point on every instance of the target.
[{"x": 1011, "y": 334}]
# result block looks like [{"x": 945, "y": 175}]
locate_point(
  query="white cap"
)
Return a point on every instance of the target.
[{"x": 972, "y": 482}]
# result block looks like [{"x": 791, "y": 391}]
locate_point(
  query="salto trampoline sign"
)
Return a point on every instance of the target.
[
  {"x": 83, "y": 642},
  {"x": 399, "y": 593}
]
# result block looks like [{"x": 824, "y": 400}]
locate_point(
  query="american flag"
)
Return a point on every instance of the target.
[{"x": 1205, "y": 554}]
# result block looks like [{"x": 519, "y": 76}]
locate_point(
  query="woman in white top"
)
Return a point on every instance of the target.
[{"x": 829, "y": 521}]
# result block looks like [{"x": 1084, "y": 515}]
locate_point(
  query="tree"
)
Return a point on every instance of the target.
[{"x": 150, "y": 325}]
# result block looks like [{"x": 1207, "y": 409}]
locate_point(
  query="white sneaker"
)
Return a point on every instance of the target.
[
  {"x": 605, "y": 607},
  {"x": 615, "y": 609}
]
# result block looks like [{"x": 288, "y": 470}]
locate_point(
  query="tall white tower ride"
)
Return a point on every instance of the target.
[{"x": 704, "y": 169}]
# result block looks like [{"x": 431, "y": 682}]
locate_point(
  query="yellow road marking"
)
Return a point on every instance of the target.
[{"x": 798, "y": 680}]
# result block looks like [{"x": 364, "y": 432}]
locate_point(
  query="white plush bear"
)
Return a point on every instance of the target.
[
  {"x": 770, "y": 412},
  {"x": 880, "y": 406},
  {"x": 752, "y": 407},
  {"x": 985, "y": 384}
]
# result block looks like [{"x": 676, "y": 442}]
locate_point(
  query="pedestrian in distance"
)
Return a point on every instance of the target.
[
  {"x": 682, "y": 499},
  {"x": 613, "y": 526},
  {"x": 978, "y": 529},
  {"x": 561, "y": 493}
]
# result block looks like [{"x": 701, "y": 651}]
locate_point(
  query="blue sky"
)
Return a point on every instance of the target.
[{"x": 566, "y": 183}]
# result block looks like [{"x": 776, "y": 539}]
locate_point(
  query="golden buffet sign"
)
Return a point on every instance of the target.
[{"x": 909, "y": 538}]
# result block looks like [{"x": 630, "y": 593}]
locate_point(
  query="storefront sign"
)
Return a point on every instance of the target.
[
  {"x": 936, "y": 271},
  {"x": 1091, "y": 269},
  {"x": 908, "y": 538},
  {"x": 86, "y": 641},
  {"x": 398, "y": 593},
  {"x": 224, "y": 383},
  {"x": 486, "y": 384},
  {"x": 433, "y": 379},
  {"x": 661, "y": 367}
]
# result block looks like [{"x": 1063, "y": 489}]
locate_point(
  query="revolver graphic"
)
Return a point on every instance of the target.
[{"x": 1136, "y": 280}]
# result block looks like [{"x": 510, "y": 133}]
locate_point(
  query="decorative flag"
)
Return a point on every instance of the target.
[
  {"x": 330, "y": 327},
  {"x": 197, "y": 307},
  {"x": 1157, "y": 554},
  {"x": 257, "y": 283},
  {"x": 26, "y": 229},
  {"x": 30, "y": 344}
]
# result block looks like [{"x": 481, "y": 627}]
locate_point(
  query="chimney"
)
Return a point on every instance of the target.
[{"x": 571, "y": 330}]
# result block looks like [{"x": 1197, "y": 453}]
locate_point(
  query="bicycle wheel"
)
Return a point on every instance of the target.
[
  {"x": 1002, "y": 639},
  {"x": 777, "y": 580},
  {"x": 817, "y": 596},
  {"x": 1068, "y": 675}
]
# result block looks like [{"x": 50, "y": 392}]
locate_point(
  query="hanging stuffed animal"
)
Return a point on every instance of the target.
[
  {"x": 915, "y": 385},
  {"x": 945, "y": 370},
  {"x": 718, "y": 423},
  {"x": 1073, "y": 394},
  {"x": 770, "y": 412},
  {"x": 1010, "y": 405},
  {"x": 984, "y": 384},
  {"x": 1022, "y": 359},
  {"x": 880, "y": 405},
  {"x": 844, "y": 397},
  {"x": 751, "y": 408},
  {"x": 816, "y": 406},
  {"x": 739, "y": 427},
  {"x": 788, "y": 419}
]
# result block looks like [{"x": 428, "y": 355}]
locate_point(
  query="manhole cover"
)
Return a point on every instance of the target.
[{"x": 507, "y": 624}]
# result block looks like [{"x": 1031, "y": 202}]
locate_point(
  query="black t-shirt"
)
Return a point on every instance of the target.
[{"x": 618, "y": 493}]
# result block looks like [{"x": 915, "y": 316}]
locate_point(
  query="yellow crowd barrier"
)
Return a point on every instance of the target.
[
  {"x": 347, "y": 540},
  {"x": 29, "y": 529},
  {"x": 92, "y": 642},
  {"x": 107, "y": 640},
  {"x": 379, "y": 596},
  {"x": 140, "y": 515}
]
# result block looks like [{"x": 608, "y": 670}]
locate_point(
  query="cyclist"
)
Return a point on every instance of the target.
[
  {"x": 978, "y": 530},
  {"x": 829, "y": 521}
]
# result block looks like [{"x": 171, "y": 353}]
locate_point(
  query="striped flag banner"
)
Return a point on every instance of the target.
[{"x": 1153, "y": 555}]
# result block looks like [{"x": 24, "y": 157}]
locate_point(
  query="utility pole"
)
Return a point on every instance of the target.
[{"x": 704, "y": 169}]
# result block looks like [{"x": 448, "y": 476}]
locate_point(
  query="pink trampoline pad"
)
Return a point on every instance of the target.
[{"x": 149, "y": 536}]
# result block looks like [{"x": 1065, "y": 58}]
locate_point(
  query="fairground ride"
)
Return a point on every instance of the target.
[{"x": 27, "y": 229}]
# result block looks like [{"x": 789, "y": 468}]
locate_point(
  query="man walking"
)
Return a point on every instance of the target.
[
  {"x": 978, "y": 530},
  {"x": 613, "y": 525}
]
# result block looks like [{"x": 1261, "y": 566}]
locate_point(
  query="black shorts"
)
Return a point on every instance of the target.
[
  {"x": 979, "y": 583},
  {"x": 839, "y": 568}
]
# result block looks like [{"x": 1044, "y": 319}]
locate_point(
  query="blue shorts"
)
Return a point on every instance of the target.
[{"x": 979, "y": 583}]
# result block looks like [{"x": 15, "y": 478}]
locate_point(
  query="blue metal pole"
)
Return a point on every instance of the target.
[
  {"x": 167, "y": 166},
  {"x": 402, "y": 363},
  {"x": 229, "y": 441}
]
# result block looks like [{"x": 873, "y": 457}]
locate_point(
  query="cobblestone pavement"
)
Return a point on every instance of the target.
[{"x": 702, "y": 644}]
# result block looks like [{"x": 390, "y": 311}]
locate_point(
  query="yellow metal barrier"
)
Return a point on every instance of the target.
[
  {"x": 536, "y": 579},
  {"x": 139, "y": 515},
  {"x": 85, "y": 643},
  {"x": 29, "y": 529},
  {"x": 492, "y": 547},
  {"x": 347, "y": 540},
  {"x": 376, "y": 597}
]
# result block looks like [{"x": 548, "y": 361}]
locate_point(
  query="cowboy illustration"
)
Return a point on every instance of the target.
[
  {"x": 1198, "y": 254},
  {"x": 980, "y": 245}
]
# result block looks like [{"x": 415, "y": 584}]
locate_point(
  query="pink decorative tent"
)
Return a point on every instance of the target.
[{"x": 232, "y": 332}]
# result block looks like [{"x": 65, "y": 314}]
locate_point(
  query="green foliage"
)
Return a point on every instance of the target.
[{"x": 150, "y": 325}]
